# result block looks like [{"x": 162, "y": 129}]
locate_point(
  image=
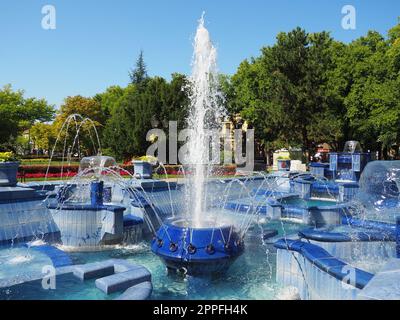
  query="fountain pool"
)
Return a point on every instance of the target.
[
  {"x": 251, "y": 277},
  {"x": 68, "y": 288},
  {"x": 21, "y": 263}
]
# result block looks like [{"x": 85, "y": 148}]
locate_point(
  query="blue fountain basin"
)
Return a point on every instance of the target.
[{"x": 197, "y": 251}]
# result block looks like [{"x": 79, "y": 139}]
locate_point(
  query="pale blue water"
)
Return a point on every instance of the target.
[
  {"x": 252, "y": 276},
  {"x": 306, "y": 203},
  {"x": 21, "y": 261},
  {"x": 68, "y": 287}
]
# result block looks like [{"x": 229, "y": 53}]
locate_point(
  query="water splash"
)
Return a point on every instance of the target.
[
  {"x": 205, "y": 115},
  {"x": 36, "y": 243},
  {"x": 288, "y": 293},
  {"x": 77, "y": 122},
  {"x": 20, "y": 259}
]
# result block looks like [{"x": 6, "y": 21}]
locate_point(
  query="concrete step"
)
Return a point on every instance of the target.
[
  {"x": 94, "y": 270},
  {"x": 123, "y": 280}
]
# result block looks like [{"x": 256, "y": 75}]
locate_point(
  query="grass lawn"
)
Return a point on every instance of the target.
[
  {"x": 40, "y": 179},
  {"x": 28, "y": 162}
]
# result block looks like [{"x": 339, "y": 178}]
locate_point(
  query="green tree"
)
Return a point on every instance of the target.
[
  {"x": 252, "y": 96},
  {"x": 18, "y": 114},
  {"x": 379, "y": 93},
  {"x": 86, "y": 107},
  {"x": 142, "y": 108},
  {"x": 308, "y": 89},
  {"x": 369, "y": 72},
  {"x": 139, "y": 74},
  {"x": 83, "y": 142},
  {"x": 43, "y": 135},
  {"x": 284, "y": 92},
  {"x": 176, "y": 102},
  {"x": 109, "y": 99}
]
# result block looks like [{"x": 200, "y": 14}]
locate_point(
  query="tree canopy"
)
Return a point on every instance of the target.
[
  {"x": 79, "y": 133},
  {"x": 308, "y": 89},
  {"x": 140, "y": 110},
  {"x": 18, "y": 114}
]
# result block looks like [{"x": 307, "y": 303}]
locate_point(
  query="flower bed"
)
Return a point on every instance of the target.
[
  {"x": 68, "y": 171},
  {"x": 36, "y": 171}
]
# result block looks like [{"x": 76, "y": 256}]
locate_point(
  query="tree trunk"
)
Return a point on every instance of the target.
[
  {"x": 266, "y": 155},
  {"x": 384, "y": 154}
]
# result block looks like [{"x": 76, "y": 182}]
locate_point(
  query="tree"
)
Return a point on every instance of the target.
[
  {"x": 308, "y": 89},
  {"x": 369, "y": 71},
  {"x": 139, "y": 74},
  {"x": 43, "y": 135},
  {"x": 300, "y": 62},
  {"x": 141, "y": 108},
  {"x": 381, "y": 98},
  {"x": 283, "y": 93},
  {"x": 176, "y": 102},
  {"x": 252, "y": 96},
  {"x": 116, "y": 131},
  {"x": 86, "y": 139},
  {"x": 18, "y": 114},
  {"x": 109, "y": 99},
  {"x": 86, "y": 107},
  {"x": 327, "y": 112}
]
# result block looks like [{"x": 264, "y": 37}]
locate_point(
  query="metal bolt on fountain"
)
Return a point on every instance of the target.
[{"x": 199, "y": 242}]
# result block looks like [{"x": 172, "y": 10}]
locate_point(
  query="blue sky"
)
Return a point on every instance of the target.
[{"x": 97, "y": 42}]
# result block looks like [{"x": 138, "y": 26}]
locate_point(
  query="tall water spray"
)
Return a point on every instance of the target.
[{"x": 204, "y": 121}]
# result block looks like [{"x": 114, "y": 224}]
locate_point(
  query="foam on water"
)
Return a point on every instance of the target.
[
  {"x": 36, "y": 243},
  {"x": 20, "y": 259},
  {"x": 19, "y": 264},
  {"x": 288, "y": 293}
]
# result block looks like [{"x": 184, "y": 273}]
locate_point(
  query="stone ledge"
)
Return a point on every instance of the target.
[
  {"x": 123, "y": 280},
  {"x": 94, "y": 270}
]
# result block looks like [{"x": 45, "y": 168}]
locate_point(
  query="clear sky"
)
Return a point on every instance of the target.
[{"x": 96, "y": 42}]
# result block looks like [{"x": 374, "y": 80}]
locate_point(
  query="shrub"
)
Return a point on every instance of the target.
[{"x": 7, "y": 156}]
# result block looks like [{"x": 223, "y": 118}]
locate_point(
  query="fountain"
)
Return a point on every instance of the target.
[
  {"x": 367, "y": 240},
  {"x": 200, "y": 242},
  {"x": 80, "y": 213}
]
